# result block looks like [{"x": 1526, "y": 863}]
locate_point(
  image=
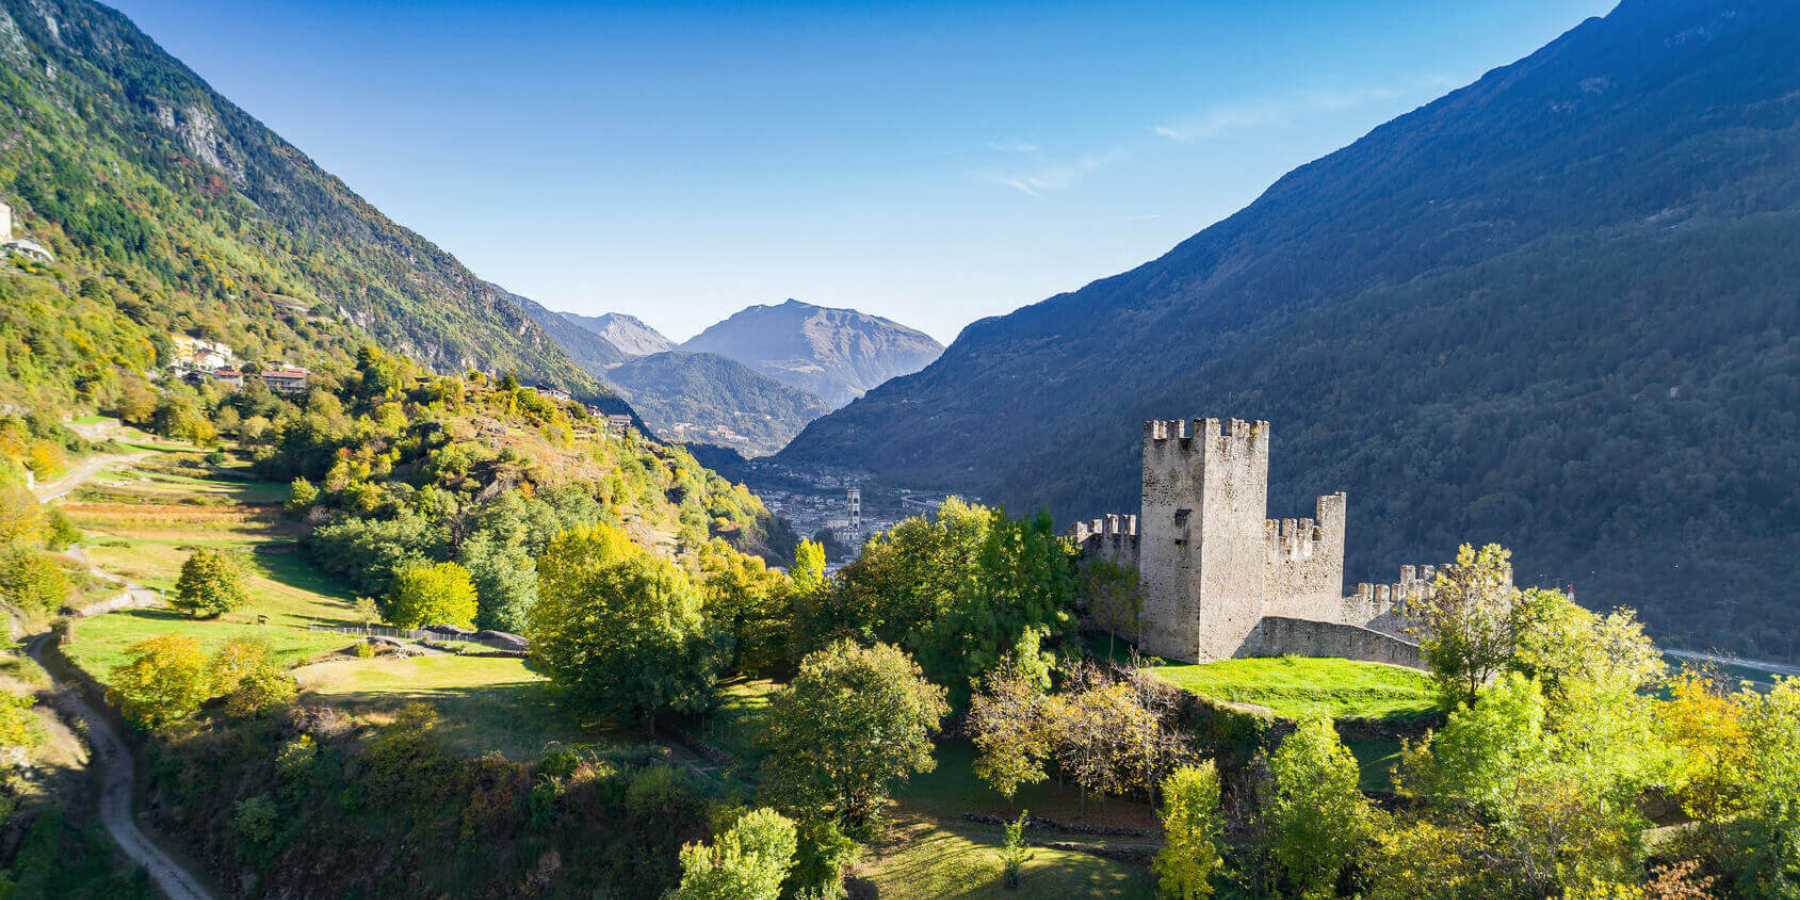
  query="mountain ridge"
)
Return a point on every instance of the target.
[
  {"x": 630, "y": 334},
  {"x": 718, "y": 397},
  {"x": 1666, "y": 130},
  {"x": 835, "y": 353}
]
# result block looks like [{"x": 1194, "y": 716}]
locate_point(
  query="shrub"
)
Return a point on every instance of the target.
[{"x": 255, "y": 819}]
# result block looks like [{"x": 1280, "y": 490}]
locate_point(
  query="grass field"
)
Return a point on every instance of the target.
[
  {"x": 142, "y": 522},
  {"x": 732, "y": 723},
  {"x": 144, "y": 528},
  {"x": 925, "y": 861},
  {"x": 99, "y": 643},
  {"x": 1292, "y": 686},
  {"x": 484, "y": 703},
  {"x": 952, "y": 789}
]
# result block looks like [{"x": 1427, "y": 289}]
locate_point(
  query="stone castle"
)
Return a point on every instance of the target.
[{"x": 1220, "y": 580}]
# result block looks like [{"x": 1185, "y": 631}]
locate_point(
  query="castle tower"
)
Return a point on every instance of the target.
[{"x": 1202, "y": 551}]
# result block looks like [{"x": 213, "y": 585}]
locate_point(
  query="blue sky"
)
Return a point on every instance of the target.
[{"x": 931, "y": 162}]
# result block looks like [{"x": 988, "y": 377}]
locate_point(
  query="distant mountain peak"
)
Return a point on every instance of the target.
[
  {"x": 629, "y": 333},
  {"x": 836, "y": 353}
]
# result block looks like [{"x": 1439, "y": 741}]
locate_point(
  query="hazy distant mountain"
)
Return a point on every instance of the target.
[
  {"x": 722, "y": 401},
  {"x": 628, "y": 333},
  {"x": 590, "y": 350},
  {"x": 834, "y": 353},
  {"x": 1555, "y": 309}
]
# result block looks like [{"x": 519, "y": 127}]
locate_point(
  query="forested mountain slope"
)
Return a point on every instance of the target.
[
  {"x": 171, "y": 208},
  {"x": 834, "y": 353},
  {"x": 718, "y": 398},
  {"x": 1558, "y": 309}
]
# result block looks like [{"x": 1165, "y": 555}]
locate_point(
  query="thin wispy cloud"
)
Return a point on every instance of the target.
[
  {"x": 1275, "y": 112},
  {"x": 1012, "y": 148},
  {"x": 1045, "y": 179}
]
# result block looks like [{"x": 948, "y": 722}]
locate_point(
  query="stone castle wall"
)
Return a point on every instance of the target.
[
  {"x": 1304, "y": 559},
  {"x": 1220, "y": 579},
  {"x": 1279, "y": 635}
]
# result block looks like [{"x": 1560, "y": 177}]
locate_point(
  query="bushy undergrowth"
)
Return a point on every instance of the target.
[{"x": 349, "y": 810}]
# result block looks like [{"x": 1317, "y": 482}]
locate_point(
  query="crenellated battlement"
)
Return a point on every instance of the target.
[
  {"x": 1415, "y": 583},
  {"x": 1291, "y": 538},
  {"x": 1230, "y": 437}
]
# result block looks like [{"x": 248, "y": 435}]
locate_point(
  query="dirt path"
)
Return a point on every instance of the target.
[
  {"x": 89, "y": 467},
  {"x": 116, "y": 767}
]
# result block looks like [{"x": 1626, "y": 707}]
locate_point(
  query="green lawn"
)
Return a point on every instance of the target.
[
  {"x": 1376, "y": 759},
  {"x": 99, "y": 643},
  {"x": 734, "y": 720},
  {"x": 952, "y": 789},
  {"x": 484, "y": 703},
  {"x": 1292, "y": 686},
  {"x": 926, "y": 861}
]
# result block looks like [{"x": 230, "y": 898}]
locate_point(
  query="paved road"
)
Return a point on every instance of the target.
[
  {"x": 1775, "y": 667},
  {"x": 116, "y": 766},
  {"x": 82, "y": 472}
]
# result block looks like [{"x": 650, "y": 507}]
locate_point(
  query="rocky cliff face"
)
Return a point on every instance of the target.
[{"x": 834, "y": 353}]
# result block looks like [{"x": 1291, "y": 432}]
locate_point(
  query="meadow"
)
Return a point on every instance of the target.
[{"x": 1292, "y": 686}]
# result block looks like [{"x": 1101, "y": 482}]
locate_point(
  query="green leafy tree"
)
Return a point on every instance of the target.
[
  {"x": 366, "y": 611},
  {"x": 60, "y": 530},
  {"x": 752, "y": 602},
  {"x": 163, "y": 679},
  {"x": 211, "y": 584},
  {"x": 21, "y": 516},
  {"x": 1764, "y": 840},
  {"x": 1114, "y": 598},
  {"x": 1192, "y": 825},
  {"x": 1023, "y": 580},
  {"x": 809, "y": 567},
  {"x": 1555, "y": 817},
  {"x": 1464, "y": 623},
  {"x": 427, "y": 595},
  {"x": 1318, "y": 820},
  {"x": 301, "y": 496},
  {"x": 748, "y": 862},
  {"x": 244, "y": 672},
  {"x": 621, "y": 629},
  {"x": 505, "y": 578},
  {"x": 853, "y": 720},
  {"x": 1423, "y": 860},
  {"x": 1012, "y": 721},
  {"x": 31, "y": 580}
]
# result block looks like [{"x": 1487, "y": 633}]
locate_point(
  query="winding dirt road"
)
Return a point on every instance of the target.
[
  {"x": 83, "y": 470},
  {"x": 116, "y": 775},
  {"x": 109, "y": 754}
]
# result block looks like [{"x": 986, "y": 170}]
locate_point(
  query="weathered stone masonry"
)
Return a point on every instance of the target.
[{"x": 1222, "y": 580}]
